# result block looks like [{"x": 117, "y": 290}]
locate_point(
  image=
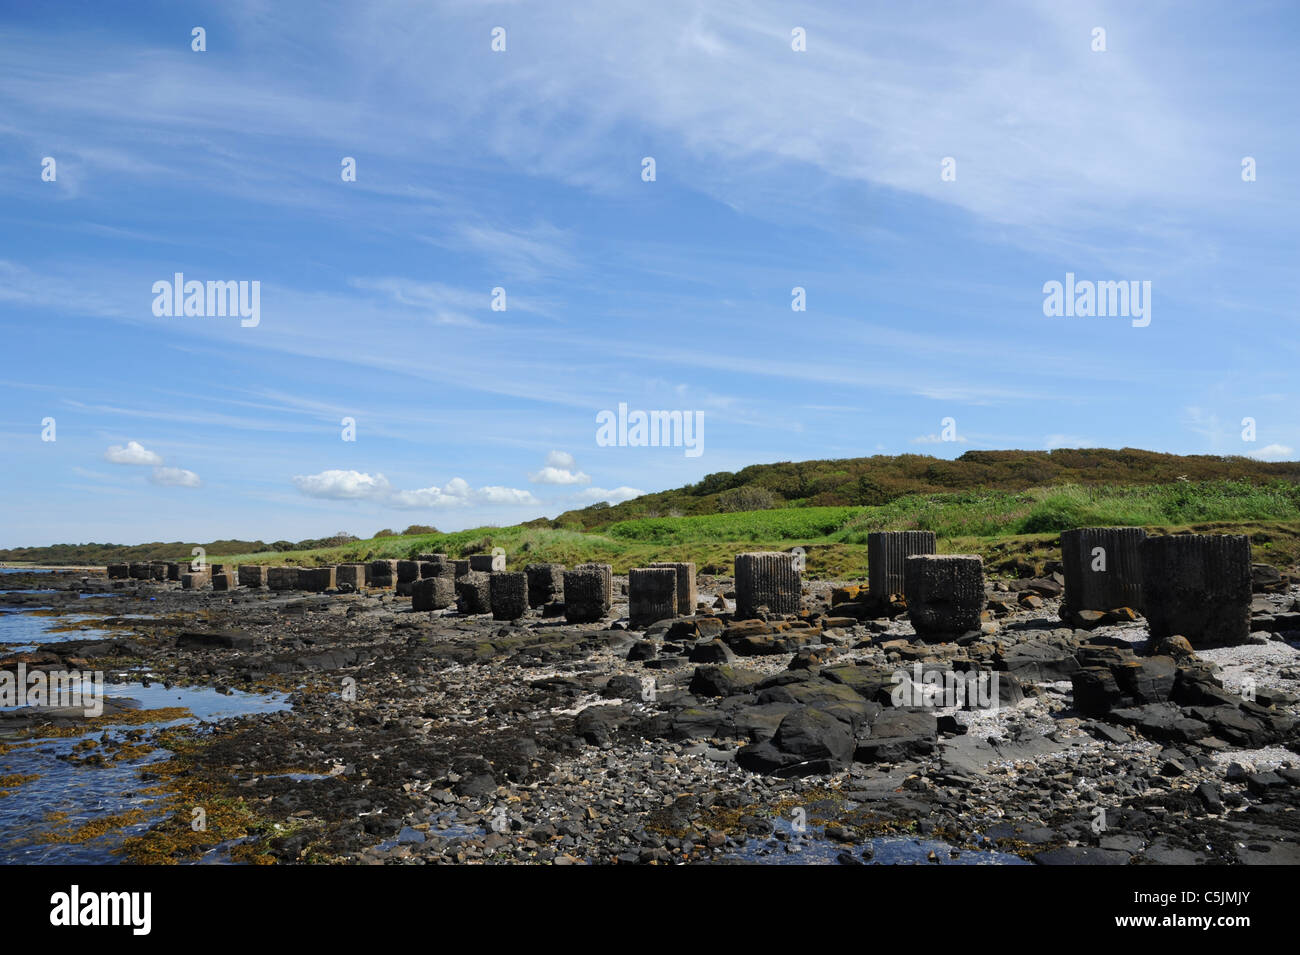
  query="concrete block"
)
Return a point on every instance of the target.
[
  {"x": 887, "y": 553},
  {"x": 381, "y": 574},
  {"x": 433, "y": 593},
  {"x": 586, "y": 595},
  {"x": 607, "y": 575},
  {"x": 316, "y": 580},
  {"x": 353, "y": 575},
  {"x": 508, "y": 594},
  {"x": 767, "y": 579},
  {"x": 252, "y": 575},
  {"x": 282, "y": 578},
  {"x": 945, "y": 594},
  {"x": 1101, "y": 579},
  {"x": 651, "y": 595},
  {"x": 1197, "y": 586},
  {"x": 473, "y": 593},
  {"x": 687, "y": 593},
  {"x": 545, "y": 583}
]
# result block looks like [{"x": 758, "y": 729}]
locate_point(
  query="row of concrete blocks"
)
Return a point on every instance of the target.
[
  {"x": 587, "y": 590},
  {"x": 1193, "y": 585},
  {"x": 1197, "y": 586}
]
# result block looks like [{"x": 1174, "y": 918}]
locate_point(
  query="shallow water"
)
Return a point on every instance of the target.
[
  {"x": 813, "y": 848},
  {"x": 23, "y": 630},
  {"x": 83, "y": 793}
]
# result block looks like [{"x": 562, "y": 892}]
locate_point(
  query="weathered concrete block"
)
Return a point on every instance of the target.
[
  {"x": 252, "y": 575},
  {"x": 485, "y": 563},
  {"x": 433, "y": 593},
  {"x": 607, "y": 575},
  {"x": 460, "y": 568},
  {"x": 422, "y": 558},
  {"x": 353, "y": 575},
  {"x": 887, "y": 553},
  {"x": 407, "y": 571},
  {"x": 767, "y": 579},
  {"x": 175, "y": 569},
  {"x": 282, "y": 578},
  {"x": 473, "y": 593},
  {"x": 157, "y": 570},
  {"x": 945, "y": 593},
  {"x": 586, "y": 595},
  {"x": 687, "y": 593},
  {"x": 1101, "y": 579},
  {"x": 316, "y": 580},
  {"x": 224, "y": 581},
  {"x": 508, "y": 594},
  {"x": 381, "y": 574},
  {"x": 545, "y": 583},
  {"x": 651, "y": 595},
  {"x": 1197, "y": 586},
  {"x": 119, "y": 571},
  {"x": 139, "y": 570},
  {"x": 439, "y": 565},
  {"x": 195, "y": 581}
]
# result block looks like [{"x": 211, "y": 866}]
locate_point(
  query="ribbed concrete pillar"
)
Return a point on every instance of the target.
[
  {"x": 687, "y": 594},
  {"x": 607, "y": 573},
  {"x": 1197, "y": 586},
  {"x": 887, "y": 553},
  {"x": 767, "y": 579},
  {"x": 1103, "y": 568},
  {"x": 651, "y": 595}
]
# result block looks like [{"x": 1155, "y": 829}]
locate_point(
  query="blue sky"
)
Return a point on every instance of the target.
[{"x": 522, "y": 170}]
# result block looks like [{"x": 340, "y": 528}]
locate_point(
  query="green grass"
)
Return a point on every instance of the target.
[{"x": 1015, "y": 531}]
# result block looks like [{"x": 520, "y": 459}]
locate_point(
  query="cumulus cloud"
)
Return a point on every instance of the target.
[
  {"x": 342, "y": 485},
  {"x": 174, "y": 477},
  {"x": 1274, "y": 452},
  {"x": 132, "y": 453},
  {"x": 560, "y": 468},
  {"x": 358, "y": 485},
  {"x": 594, "y": 495}
]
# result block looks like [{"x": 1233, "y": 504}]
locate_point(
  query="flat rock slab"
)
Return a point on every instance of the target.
[{"x": 216, "y": 639}]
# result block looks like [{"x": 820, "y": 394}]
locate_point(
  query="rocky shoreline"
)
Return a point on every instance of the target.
[{"x": 438, "y": 737}]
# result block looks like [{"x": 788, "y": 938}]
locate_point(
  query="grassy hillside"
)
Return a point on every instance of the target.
[
  {"x": 1013, "y": 531},
  {"x": 1008, "y": 506},
  {"x": 884, "y": 479}
]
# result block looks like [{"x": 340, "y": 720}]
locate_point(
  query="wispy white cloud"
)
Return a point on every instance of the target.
[
  {"x": 359, "y": 485},
  {"x": 174, "y": 477},
  {"x": 133, "y": 452}
]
